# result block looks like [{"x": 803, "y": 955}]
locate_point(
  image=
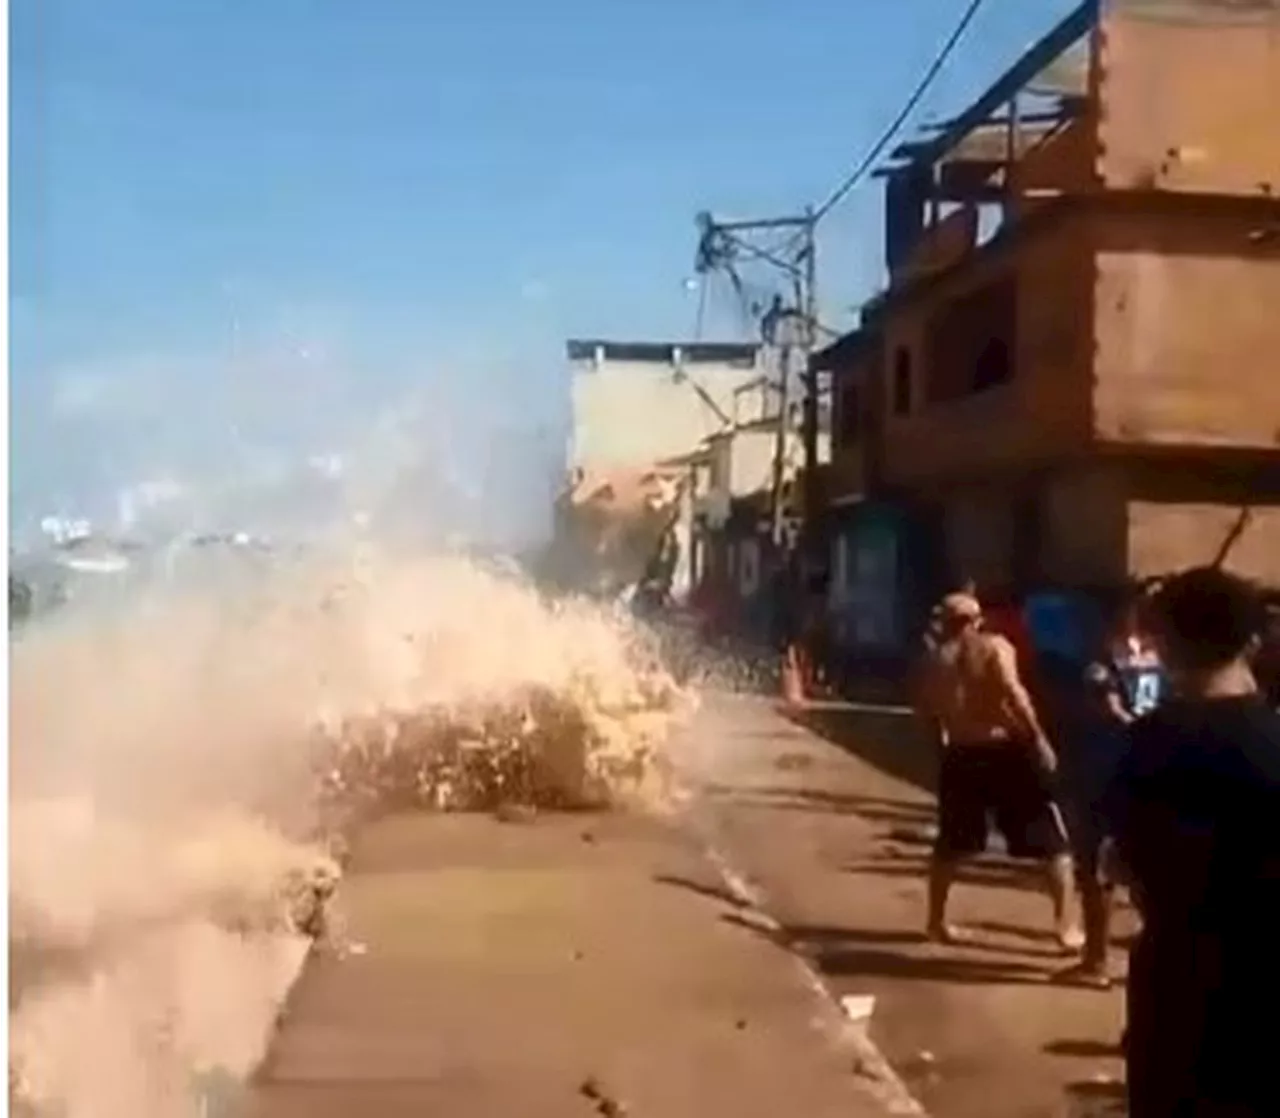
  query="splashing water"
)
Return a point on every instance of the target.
[{"x": 180, "y": 773}]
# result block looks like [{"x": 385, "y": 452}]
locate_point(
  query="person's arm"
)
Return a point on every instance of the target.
[
  {"x": 924, "y": 690},
  {"x": 1104, "y": 693},
  {"x": 1019, "y": 699}
]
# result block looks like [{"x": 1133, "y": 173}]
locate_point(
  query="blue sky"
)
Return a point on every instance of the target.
[{"x": 251, "y": 237}]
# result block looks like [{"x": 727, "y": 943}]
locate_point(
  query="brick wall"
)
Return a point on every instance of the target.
[
  {"x": 1045, "y": 411},
  {"x": 1187, "y": 327},
  {"x": 1187, "y": 101},
  {"x": 1166, "y": 537}
]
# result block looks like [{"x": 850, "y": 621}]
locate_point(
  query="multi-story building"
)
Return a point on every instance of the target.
[{"x": 1073, "y": 375}]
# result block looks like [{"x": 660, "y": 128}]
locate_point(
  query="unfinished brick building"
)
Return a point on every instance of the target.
[{"x": 1073, "y": 376}]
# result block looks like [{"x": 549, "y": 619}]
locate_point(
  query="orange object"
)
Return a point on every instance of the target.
[
  {"x": 808, "y": 674},
  {"x": 793, "y": 681}
]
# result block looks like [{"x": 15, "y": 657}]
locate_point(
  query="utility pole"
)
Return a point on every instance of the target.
[
  {"x": 723, "y": 246},
  {"x": 782, "y": 429}
]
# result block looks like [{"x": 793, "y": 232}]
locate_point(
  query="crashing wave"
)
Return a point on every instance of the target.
[{"x": 182, "y": 773}]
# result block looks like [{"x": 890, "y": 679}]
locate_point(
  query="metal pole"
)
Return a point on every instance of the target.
[
  {"x": 809, "y": 309},
  {"x": 780, "y": 440}
]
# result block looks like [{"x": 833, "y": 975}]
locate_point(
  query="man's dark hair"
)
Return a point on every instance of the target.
[{"x": 1205, "y": 617}]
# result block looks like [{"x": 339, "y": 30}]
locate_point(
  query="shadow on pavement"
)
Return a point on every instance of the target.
[
  {"x": 799, "y": 798},
  {"x": 1015, "y": 931},
  {"x": 853, "y": 952},
  {"x": 1000, "y": 875},
  {"x": 952, "y": 968},
  {"x": 712, "y": 892},
  {"x": 1082, "y": 1049},
  {"x": 1097, "y": 1099},
  {"x": 892, "y": 741}
]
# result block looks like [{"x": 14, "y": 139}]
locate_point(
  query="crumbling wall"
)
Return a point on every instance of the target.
[{"x": 612, "y": 527}]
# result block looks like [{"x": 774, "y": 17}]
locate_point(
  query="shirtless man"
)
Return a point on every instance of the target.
[{"x": 996, "y": 762}]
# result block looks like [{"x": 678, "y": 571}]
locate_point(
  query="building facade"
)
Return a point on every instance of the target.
[
  {"x": 1072, "y": 378},
  {"x": 641, "y": 411},
  {"x": 637, "y": 403}
]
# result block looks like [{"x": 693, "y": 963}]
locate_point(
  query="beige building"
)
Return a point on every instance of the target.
[
  {"x": 643, "y": 412},
  {"x": 1072, "y": 377},
  {"x": 637, "y": 403}
]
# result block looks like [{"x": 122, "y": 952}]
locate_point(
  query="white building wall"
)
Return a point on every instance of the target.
[
  {"x": 751, "y": 468},
  {"x": 633, "y": 413},
  {"x": 750, "y": 459}
]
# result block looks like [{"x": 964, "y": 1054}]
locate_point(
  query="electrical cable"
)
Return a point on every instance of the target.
[{"x": 877, "y": 150}]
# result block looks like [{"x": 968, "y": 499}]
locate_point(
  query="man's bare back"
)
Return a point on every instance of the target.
[{"x": 970, "y": 687}]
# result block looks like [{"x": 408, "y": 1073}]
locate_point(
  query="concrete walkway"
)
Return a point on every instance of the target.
[
  {"x": 835, "y": 830},
  {"x": 556, "y": 967}
]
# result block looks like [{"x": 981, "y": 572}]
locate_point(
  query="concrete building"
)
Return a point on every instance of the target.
[
  {"x": 637, "y": 403},
  {"x": 1073, "y": 376},
  {"x": 733, "y": 509},
  {"x": 642, "y": 412}
]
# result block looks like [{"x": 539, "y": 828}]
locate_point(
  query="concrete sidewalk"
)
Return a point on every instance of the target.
[
  {"x": 837, "y": 837},
  {"x": 557, "y": 967}
]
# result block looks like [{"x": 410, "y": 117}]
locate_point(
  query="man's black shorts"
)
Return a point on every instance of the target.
[{"x": 1001, "y": 784}]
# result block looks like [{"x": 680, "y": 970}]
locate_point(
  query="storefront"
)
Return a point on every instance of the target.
[{"x": 868, "y": 598}]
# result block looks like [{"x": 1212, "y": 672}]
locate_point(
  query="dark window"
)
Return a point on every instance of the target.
[
  {"x": 972, "y": 343},
  {"x": 902, "y": 394},
  {"x": 849, "y": 421},
  {"x": 993, "y": 366}
]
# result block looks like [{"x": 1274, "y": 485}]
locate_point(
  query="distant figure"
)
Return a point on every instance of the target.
[
  {"x": 1266, "y": 664},
  {"x": 815, "y": 645},
  {"x": 1195, "y": 809},
  {"x": 20, "y": 601},
  {"x": 996, "y": 763},
  {"x": 1123, "y": 683}
]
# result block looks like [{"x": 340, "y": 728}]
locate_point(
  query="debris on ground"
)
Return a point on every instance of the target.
[
  {"x": 793, "y": 762},
  {"x": 605, "y": 1104},
  {"x": 516, "y": 813}
]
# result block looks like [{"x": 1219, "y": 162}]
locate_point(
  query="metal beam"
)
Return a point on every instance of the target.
[
  {"x": 762, "y": 223},
  {"x": 1047, "y": 116},
  {"x": 761, "y": 254},
  {"x": 1076, "y": 24}
]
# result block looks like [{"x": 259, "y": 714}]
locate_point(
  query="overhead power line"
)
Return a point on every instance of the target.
[{"x": 887, "y": 137}]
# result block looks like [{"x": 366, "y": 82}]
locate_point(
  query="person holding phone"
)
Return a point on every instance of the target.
[
  {"x": 1125, "y": 682},
  {"x": 1195, "y": 810}
]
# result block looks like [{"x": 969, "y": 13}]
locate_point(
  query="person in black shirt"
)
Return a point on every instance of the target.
[
  {"x": 1123, "y": 683},
  {"x": 1195, "y": 811}
]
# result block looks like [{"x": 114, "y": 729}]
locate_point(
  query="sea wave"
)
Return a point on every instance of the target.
[{"x": 183, "y": 771}]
